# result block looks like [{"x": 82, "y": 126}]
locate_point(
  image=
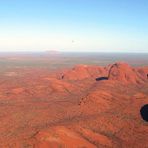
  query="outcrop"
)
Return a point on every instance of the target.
[
  {"x": 126, "y": 74},
  {"x": 81, "y": 72}
]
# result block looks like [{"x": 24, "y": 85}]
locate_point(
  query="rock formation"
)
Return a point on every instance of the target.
[{"x": 126, "y": 74}]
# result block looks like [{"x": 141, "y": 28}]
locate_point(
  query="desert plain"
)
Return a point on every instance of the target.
[{"x": 56, "y": 100}]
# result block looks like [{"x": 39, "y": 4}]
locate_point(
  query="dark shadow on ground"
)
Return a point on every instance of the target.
[
  {"x": 144, "y": 112},
  {"x": 101, "y": 78}
]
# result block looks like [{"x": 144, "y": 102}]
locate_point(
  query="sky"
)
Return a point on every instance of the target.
[{"x": 74, "y": 25}]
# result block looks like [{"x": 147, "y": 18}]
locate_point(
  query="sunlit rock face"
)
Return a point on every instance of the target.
[
  {"x": 81, "y": 72},
  {"x": 126, "y": 74}
]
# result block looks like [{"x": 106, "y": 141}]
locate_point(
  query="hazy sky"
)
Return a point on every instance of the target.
[{"x": 74, "y": 25}]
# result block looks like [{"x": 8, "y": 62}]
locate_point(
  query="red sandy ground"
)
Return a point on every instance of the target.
[{"x": 70, "y": 109}]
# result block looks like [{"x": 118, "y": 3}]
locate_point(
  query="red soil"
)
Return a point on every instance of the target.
[{"x": 71, "y": 109}]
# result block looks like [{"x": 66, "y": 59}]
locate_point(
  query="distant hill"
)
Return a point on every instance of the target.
[{"x": 52, "y": 52}]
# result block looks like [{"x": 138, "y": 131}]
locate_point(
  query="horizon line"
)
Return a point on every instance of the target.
[{"x": 58, "y": 51}]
